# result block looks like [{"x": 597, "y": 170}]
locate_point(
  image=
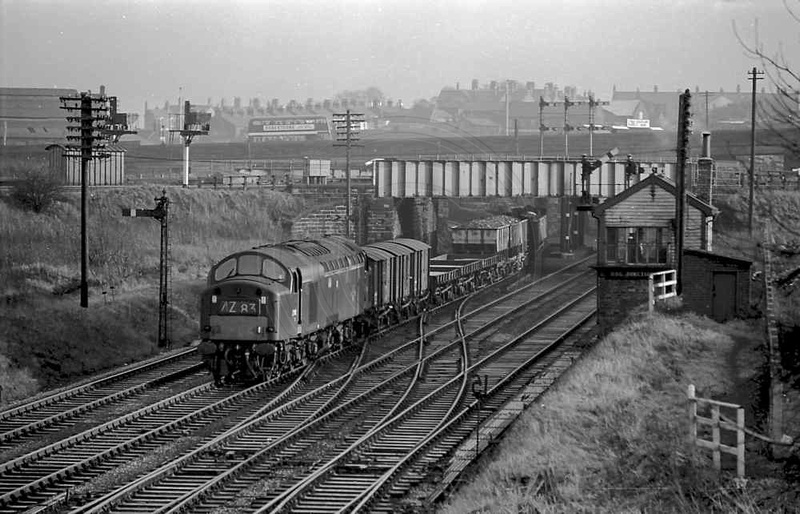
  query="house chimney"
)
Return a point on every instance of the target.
[
  {"x": 102, "y": 90},
  {"x": 706, "y": 149},
  {"x": 704, "y": 188}
]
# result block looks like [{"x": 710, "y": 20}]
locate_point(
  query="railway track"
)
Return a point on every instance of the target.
[
  {"x": 275, "y": 460},
  {"x": 400, "y": 452},
  {"x": 31, "y": 425},
  {"x": 273, "y": 442},
  {"x": 73, "y": 471}
]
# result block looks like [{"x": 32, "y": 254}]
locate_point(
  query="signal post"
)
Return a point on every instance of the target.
[
  {"x": 194, "y": 124},
  {"x": 160, "y": 214}
]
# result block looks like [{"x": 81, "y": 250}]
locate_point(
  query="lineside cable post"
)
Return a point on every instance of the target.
[
  {"x": 348, "y": 128},
  {"x": 160, "y": 214}
]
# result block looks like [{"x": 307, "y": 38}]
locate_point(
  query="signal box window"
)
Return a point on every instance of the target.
[{"x": 637, "y": 245}]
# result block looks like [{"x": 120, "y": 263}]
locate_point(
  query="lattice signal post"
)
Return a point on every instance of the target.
[
  {"x": 160, "y": 214},
  {"x": 348, "y": 128},
  {"x": 87, "y": 117},
  {"x": 194, "y": 124}
]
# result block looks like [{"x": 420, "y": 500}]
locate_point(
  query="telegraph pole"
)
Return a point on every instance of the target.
[
  {"x": 754, "y": 76},
  {"x": 347, "y": 136},
  {"x": 90, "y": 123},
  {"x": 684, "y": 131}
]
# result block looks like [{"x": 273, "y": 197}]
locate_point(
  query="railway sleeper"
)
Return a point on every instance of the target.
[{"x": 355, "y": 468}]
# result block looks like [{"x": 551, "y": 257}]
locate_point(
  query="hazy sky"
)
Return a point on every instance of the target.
[{"x": 296, "y": 49}]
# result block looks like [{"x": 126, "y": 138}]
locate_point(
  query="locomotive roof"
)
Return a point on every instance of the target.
[{"x": 308, "y": 254}]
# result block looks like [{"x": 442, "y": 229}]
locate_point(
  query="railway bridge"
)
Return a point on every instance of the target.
[{"x": 419, "y": 198}]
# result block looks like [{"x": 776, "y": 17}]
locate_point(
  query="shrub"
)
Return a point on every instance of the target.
[{"x": 38, "y": 189}]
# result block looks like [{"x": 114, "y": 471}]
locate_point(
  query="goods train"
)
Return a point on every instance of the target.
[{"x": 276, "y": 307}]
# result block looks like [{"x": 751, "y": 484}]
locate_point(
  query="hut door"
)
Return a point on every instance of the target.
[{"x": 723, "y": 300}]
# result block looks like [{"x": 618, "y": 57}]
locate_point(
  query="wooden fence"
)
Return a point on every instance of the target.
[
  {"x": 661, "y": 285},
  {"x": 717, "y": 422}
]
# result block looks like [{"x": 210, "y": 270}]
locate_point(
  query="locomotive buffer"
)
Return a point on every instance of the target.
[{"x": 160, "y": 214}]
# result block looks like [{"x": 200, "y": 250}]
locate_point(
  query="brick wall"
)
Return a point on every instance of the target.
[
  {"x": 618, "y": 295},
  {"x": 381, "y": 221},
  {"x": 329, "y": 221},
  {"x": 698, "y": 282}
]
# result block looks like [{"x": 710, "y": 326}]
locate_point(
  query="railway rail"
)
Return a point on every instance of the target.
[
  {"x": 268, "y": 456},
  {"x": 59, "y": 475},
  {"x": 63, "y": 405},
  {"x": 356, "y": 477}
]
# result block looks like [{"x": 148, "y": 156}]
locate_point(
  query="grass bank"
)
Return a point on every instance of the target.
[
  {"x": 612, "y": 435},
  {"x": 46, "y": 338}
]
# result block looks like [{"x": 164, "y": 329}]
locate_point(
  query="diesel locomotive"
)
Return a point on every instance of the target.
[{"x": 276, "y": 307}]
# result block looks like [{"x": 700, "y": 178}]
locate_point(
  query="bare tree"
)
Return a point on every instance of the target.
[
  {"x": 780, "y": 112},
  {"x": 38, "y": 188}
]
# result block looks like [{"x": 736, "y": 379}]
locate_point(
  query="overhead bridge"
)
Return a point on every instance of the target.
[{"x": 502, "y": 177}]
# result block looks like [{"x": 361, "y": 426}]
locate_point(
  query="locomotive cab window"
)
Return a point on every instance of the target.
[
  {"x": 225, "y": 269},
  {"x": 274, "y": 271}
]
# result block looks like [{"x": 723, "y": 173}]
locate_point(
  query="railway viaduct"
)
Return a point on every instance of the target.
[{"x": 420, "y": 198}]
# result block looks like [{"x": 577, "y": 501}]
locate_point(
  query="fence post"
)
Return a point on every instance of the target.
[
  {"x": 692, "y": 416},
  {"x": 740, "y": 442},
  {"x": 651, "y": 293},
  {"x": 715, "y": 436}
]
